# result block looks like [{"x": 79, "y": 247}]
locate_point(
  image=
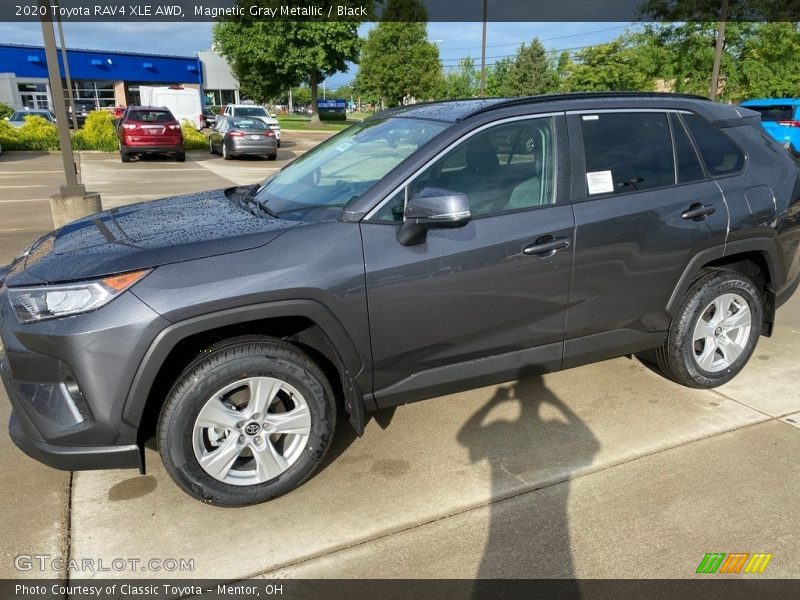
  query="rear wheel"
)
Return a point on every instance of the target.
[
  {"x": 180, "y": 156},
  {"x": 249, "y": 420},
  {"x": 713, "y": 333},
  {"x": 272, "y": 156},
  {"x": 225, "y": 154}
]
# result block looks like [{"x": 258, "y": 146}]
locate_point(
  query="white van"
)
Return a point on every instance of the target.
[{"x": 184, "y": 103}]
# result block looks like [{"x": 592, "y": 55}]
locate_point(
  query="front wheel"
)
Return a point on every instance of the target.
[
  {"x": 247, "y": 421},
  {"x": 714, "y": 332}
]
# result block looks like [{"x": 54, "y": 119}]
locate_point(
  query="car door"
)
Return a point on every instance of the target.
[
  {"x": 218, "y": 132},
  {"x": 485, "y": 302},
  {"x": 644, "y": 207}
]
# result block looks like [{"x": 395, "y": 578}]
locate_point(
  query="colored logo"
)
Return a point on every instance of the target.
[{"x": 719, "y": 562}]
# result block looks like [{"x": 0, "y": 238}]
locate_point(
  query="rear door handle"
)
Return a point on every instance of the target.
[
  {"x": 546, "y": 246},
  {"x": 698, "y": 212}
]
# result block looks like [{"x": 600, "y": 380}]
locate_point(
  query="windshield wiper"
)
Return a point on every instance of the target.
[{"x": 252, "y": 204}]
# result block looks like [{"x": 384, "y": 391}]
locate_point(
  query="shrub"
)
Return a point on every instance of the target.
[
  {"x": 37, "y": 133},
  {"x": 5, "y": 111},
  {"x": 8, "y": 137},
  {"x": 97, "y": 133},
  {"x": 332, "y": 116},
  {"x": 193, "y": 139}
]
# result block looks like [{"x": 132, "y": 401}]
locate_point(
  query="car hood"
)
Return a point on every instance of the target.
[{"x": 144, "y": 235}]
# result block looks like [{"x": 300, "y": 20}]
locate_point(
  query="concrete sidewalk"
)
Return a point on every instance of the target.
[{"x": 607, "y": 470}]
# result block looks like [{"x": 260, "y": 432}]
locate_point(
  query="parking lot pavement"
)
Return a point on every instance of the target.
[
  {"x": 595, "y": 457},
  {"x": 603, "y": 471}
]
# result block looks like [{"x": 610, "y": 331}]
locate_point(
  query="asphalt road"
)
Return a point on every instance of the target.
[{"x": 602, "y": 471}]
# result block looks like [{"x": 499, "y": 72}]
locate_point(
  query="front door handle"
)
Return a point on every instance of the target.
[
  {"x": 698, "y": 212},
  {"x": 546, "y": 246}
]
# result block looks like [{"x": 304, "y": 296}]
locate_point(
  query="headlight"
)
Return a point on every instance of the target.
[{"x": 52, "y": 301}]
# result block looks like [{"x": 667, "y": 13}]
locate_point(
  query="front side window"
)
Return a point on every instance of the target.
[
  {"x": 721, "y": 155},
  {"x": 319, "y": 184},
  {"x": 627, "y": 152},
  {"x": 505, "y": 168}
]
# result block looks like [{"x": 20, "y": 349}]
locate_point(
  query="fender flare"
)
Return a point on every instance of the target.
[
  {"x": 763, "y": 245},
  {"x": 351, "y": 361}
]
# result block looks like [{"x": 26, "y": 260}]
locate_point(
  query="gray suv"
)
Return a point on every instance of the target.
[{"x": 430, "y": 249}]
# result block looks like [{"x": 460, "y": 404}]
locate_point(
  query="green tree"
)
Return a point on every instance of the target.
[
  {"x": 497, "y": 77},
  {"x": 269, "y": 56},
  {"x": 397, "y": 60},
  {"x": 607, "y": 67},
  {"x": 463, "y": 82},
  {"x": 532, "y": 72}
]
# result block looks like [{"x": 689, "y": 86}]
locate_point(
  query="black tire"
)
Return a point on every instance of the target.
[
  {"x": 124, "y": 156},
  {"x": 279, "y": 143},
  {"x": 678, "y": 358},
  {"x": 224, "y": 364},
  {"x": 225, "y": 154},
  {"x": 272, "y": 156},
  {"x": 180, "y": 156},
  {"x": 211, "y": 147}
]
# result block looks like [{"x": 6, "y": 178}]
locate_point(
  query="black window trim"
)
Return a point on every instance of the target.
[
  {"x": 706, "y": 175},
  {"x": 368, "y": 218}
]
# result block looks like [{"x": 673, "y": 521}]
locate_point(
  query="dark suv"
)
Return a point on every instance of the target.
[{"x": 430, "y": 249}]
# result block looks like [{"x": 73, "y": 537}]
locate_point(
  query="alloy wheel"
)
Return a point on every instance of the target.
[
  {"x": 251, "y": 431},
  {"x": 721, "y": 333}
]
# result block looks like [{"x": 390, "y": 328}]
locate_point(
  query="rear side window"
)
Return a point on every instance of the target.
[
  {"x": 627, "y": 152},
  {"x": 719, "y": 153},
  {"x": 689, "y": 166}
]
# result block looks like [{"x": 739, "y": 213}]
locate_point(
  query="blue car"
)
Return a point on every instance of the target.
[{"x": 780, "y": 118}]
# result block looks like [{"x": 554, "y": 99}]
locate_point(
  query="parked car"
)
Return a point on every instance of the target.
[
  {"x": 82, "y": 110},
  {"x": 780, "y": 118},
  {"x": 236, "y": 136},
  {"x": 185, "y": 103},
  {"x": 251, "y": 111},
  {"x": 430, "y": 249},
  {"x": 17, "y": 118},
  {"x": 209, "y": 118},
  {"x": 149, "y": 130}
]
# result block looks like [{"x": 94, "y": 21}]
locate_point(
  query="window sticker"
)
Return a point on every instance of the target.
[{"x": 600, "y": 182}]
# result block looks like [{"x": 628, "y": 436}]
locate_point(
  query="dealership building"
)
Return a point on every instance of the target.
[{"x": 110, "y": 78}]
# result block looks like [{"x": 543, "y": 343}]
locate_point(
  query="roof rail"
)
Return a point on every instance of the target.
[{"x": 579, "y": 96}]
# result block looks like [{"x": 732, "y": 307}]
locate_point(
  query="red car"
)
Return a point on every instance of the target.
[{"x": 150, "y": 130}]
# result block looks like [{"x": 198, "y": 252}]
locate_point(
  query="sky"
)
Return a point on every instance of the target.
[{"x": 455, "y": 40}]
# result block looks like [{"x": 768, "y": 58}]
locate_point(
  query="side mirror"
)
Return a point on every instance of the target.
[{"x": 432, "y": 208}]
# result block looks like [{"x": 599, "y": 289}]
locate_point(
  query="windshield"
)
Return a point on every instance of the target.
[
  {"x": 250, "y": 111},
  {"x": 322, "y": 182},
  {"x": 21, "y": 114}
]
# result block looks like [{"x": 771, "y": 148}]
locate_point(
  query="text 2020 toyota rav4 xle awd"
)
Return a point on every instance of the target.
[{"x": 427, "y": 250}]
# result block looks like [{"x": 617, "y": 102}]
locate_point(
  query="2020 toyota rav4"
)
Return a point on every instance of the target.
[{"x": 430, "y": 249}]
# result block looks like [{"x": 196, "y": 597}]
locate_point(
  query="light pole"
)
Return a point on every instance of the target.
[
  {"x": 483, "y": 47},
  {"x": 73, "y": 202},
  {"x": 723, "y": 17},
  {"x": 66, "y": 69}
]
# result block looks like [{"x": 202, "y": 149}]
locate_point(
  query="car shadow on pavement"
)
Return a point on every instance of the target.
[
  {"x": 9, "y": 156},
  {"x": 542, "y": 442}
]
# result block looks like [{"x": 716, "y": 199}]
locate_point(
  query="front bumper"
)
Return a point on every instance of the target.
[{"x": 68, "y": 379}]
